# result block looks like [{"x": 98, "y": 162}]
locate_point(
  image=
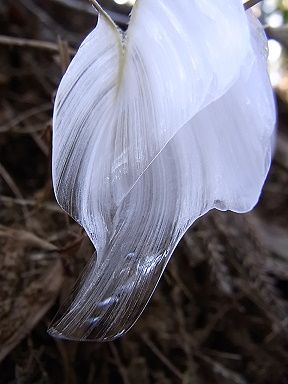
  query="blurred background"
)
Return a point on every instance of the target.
[{"x": 219, "y": 314}]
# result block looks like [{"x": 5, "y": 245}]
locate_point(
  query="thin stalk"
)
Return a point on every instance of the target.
[{"x": 250, "y": 3}]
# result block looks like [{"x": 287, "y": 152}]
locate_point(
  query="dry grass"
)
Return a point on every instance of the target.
[{"x": 220, "y": 312}]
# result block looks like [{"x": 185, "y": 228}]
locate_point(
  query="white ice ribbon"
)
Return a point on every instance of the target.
[{"x": 152, "y": 128}]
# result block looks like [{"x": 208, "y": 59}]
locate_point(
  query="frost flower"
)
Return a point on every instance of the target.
[{"x": 153, "y": 128}]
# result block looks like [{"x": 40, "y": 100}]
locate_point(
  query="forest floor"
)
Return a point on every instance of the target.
[{"x": 220, "y": 313}]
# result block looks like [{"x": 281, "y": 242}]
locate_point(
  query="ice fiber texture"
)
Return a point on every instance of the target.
[{"x": 152, "y": 128}]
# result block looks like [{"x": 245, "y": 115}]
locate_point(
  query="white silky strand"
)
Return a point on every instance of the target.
[{"x": 151, "y": 129}]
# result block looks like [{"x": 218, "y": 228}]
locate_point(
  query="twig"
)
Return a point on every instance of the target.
[
  {"x": 40, "y": 14},
  {"x": 22, "y": 117},
  {"x": 119, "y": 364},
  {"x": 27, "y": 237},
  {"x": 163, "y": 358},
  {"x": 85, "y": 8},
  {"x": 14, "y": 188},
  {"x": 49, "y": 287},
  {"x": 220, "y": 369},
  {"x": 10, "y": 182},
  {"x": 41, "y": 144},
  {"x": 37, "y": 128},
  {"x": 30, "y": 43},
  {"x": 101, "y": 11},
  {"x": 64, "y": 54},
  {"x": 49, "y": 206},
  {"x": 276, "y": 331},
  {"x": 222, "y": 355},
  {"x": 68, "y": 352},
  {"x": 48, "y": 21},
  {"x": 250, "y": 3},
  {"x": 175, "y": 275}
]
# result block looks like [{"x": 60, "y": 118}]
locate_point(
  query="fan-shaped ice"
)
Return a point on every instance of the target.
[{"x": 152, "y": 128}]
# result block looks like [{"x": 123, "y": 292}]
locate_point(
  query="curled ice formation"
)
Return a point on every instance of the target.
[{"x": 152, "y": 128}]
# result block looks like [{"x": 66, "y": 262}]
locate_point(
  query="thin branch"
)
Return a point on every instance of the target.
[
  {"x": 75, "y": 6},
  {"x": 10, "y": 182},
  {"x": 30, "y": 238},
  {"x": 49, "y": 206},
  {"x": 48, "y": 21},
  {"x": 41, "y": 144},
  {"x": 118, "y": 362},
  {"x": 24, "y": 116},
  {"x": 163, "y": 358},
  {"x": 14, "y": 188},
  {"x": 64, "y": 54},
  {"x": 85, "y": 8},
  {"x": 250, "y": 3},
  {"x": 32, "y": 44}
]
